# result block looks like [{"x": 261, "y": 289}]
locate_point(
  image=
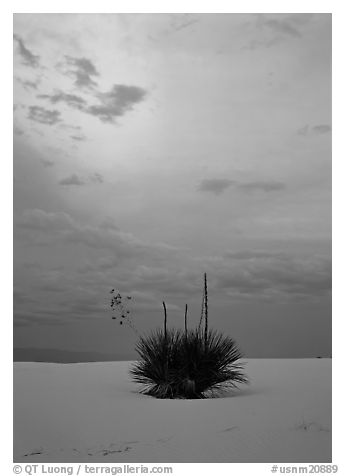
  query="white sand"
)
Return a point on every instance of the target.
[{"x": 92, "y": 412}]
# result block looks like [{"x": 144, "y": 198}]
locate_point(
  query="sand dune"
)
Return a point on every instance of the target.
[{"x": 93, "y": 412}]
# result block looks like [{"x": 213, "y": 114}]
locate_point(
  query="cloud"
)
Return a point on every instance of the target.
[
  {"x": 60, "y": 225},
  {"x": 71, "y": 180},
  {"x": 78, "y": 138},
  {"x": 28, "y": 58},
  {"x": 303, "y": 131},
  {"x": 83, "y": 70},
  {"x": 32, "y": 317},
  {"x": 115, "y": 259},
  {"x": 116, "y": 102},
  {"x": 25, "y": 309},
  {"x": 270, "y": 31},
  {"x": 272, "y": 274},
  {"x": 72, "y": 100},
  {"x": 165, "y": 282},
  {"x": 284, "y": 26},
  {"x": 96, "y": 178},
  {"x": 80, "y": 289},
  {"x": 27, "y": 84},
  {"x": 21, "y": 297},
  {"x": 17, "y": 130},
  {"x": 177, "y": 22},
  {"x": 264, "y": 186},
  {"x": 69, "y": 127},
  {"x": 75, "y": 180},
  {"x": 44, "y": 116},
  {"x": 216, "y": 186},
  {"x": 181, "y": 21},
  {"x": 112, "y": 104},
  {"x": 321, "y": 129},
  {"x": 37, "y": 219},
  {"x": 254, "y": 254},
  {"x": 58, "y": 299},
  {"x": 84, "y": 293},
  {"x": 254, "y": 44},
  {"x": 315, "y": 130},
  {"x": 47, "y": 163}
]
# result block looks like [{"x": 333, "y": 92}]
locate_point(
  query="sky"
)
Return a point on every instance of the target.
[{"x": 152, "y": 148}]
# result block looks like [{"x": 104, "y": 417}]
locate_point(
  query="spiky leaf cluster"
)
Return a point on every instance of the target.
[{"x": 182, "y": 365}]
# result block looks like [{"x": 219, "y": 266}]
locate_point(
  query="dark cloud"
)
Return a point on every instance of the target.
[
  {"x": 29, "y": 318},
  {"x": 117, "y": 102},
  {"x": 56, "y": 151},
  {"x": 37, "y": 219},
  {"x": 315, "y": 130},
  {"x": 267, "y": 43},
  {"x": 44, "y": 116},
  {"x": 61, "y": 226},
  {"x": 254, "y": 254},
  {"x": 27, "y": 84},
  {"x": 322, "y": 129},
  {"x": 112, "y": 104},
  {"x": 181, "y": 21},
  {"x": 47, "y": 163},
  {"x": 83, "y": 71},
  {"x": 216, "y": 186},
  {"x": 20, "y": 297},
  {"x": 28, "y": 58},
  {"x": 71, "y": 180},
  {"x": 284, "y": 26},
  {"x": 177, "y": 22},
  {"x": 84, "y": 295},
  {"x": 181, "y": 282},
  {"x": 72, "y": 100},
  {"x": 78, "y": 138},
  {"x": 264, "y": 186},
  {"x": 303, "y": 131},
  {"x": 96, "y": 178},
  {"x": 274, "y": 29},
  {"x": 55, "y": 302},
  {"x": 272, "y": 274},
  {"x": 69, "y": 127},
  {"x": 58, "y": 297},
  {"x": 17, "y": 130}
]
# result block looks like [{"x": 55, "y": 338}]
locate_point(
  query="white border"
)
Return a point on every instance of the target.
[{"x": 6, "y": 190}]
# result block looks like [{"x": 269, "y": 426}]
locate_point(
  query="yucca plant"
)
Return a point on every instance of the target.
[
  {"x": 180, "y": 365},
  {"x": 158, "y": 354},
  {"x": 183, "y": 364}
]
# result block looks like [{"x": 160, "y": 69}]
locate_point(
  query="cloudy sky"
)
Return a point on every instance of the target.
[{"x": 151, "y": 148}]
